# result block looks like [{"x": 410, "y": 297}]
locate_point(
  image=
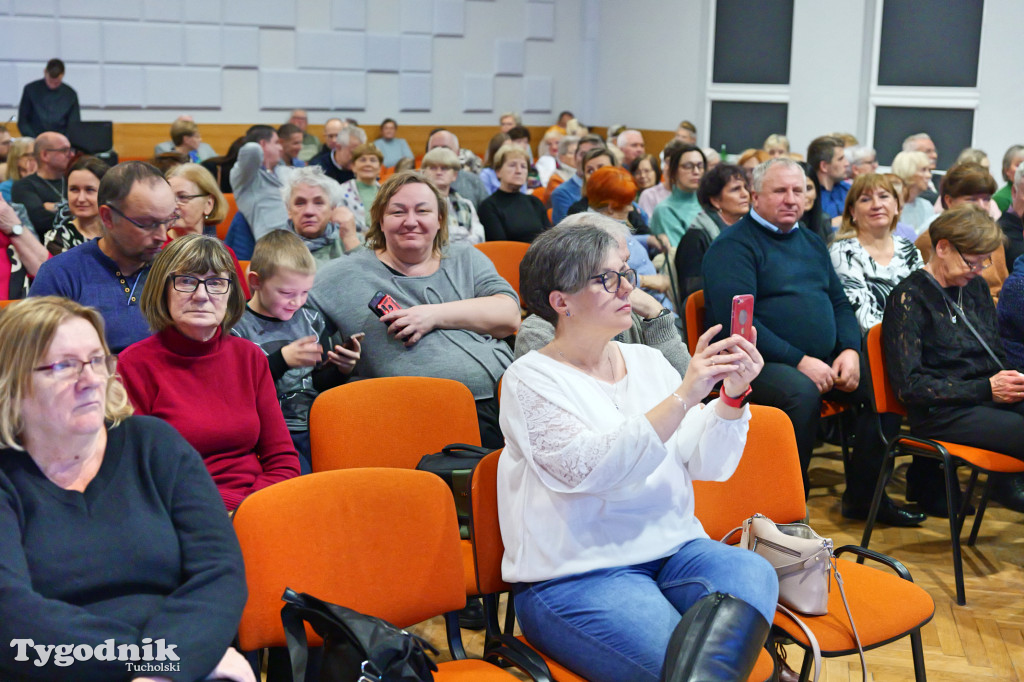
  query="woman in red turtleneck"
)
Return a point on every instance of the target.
[{"x": 215, "y": 389}]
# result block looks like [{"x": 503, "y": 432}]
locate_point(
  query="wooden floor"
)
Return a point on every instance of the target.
[{"x": 981, "y": 641}]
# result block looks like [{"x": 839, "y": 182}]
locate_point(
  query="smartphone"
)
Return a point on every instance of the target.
[
  {"x": 381, "y": 304},
  {"x": 743, "y": 316}
]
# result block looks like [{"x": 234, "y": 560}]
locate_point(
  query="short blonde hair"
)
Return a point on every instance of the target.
[
  {"x": 20, "y": 146},
  {"x": 968, "y": 228},
  {"x": 443, "y": 157},
  {"x": 27, "y": 329},
  {"x": 206, "y": 183},
  {"x": 192, "y": 253},
  {"x": 181, "y": 129},
  {"x": 281, "y": 250},
  {"x": 507, "y": 152},
  {"x": 906, "y": 164},
  {"x": 375, "y": 235}
]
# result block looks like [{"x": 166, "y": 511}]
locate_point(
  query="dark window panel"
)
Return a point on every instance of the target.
[
  {"x": 753, "y": 41},
  {"x": 742, "y": 125},
  {"x": 950, "y": 129},
  {"x": 930, "y": 43}
]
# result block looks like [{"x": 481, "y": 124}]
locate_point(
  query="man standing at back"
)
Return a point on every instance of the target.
[
  {"x": 806, "y": 329},
  {"x": 48, "y": 103},
  {"x": 41, "y": 192},
  {"x": 827, "y": 156},
  {"x": 136, "y": 206}
]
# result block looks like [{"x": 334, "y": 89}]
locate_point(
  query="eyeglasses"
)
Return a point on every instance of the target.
[
  {"x": 72, "y": 368},
  {"x": 688, "y": 166},
  {"x": 612, "y": 281},
  {"x": 152, "y": 226},
  {"x": 58, "y": 150},
  {"x": 976, "y": 267},
  {"x": 188, "y": 284},
  {"x": 182, "y": 199}
]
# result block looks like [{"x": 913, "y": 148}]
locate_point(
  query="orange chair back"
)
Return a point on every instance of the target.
[
  {"x": 222, "y": 226},
  {"x": 380, "y": 541},
  {"x": 767, "y": 480},
  {"x": 885, "y": 397},
  {"x": 390, "y": 422},
  {"x": 488, "y": 548},
  {"x": 506, "y": 257},
  {"x": 5, "y": 303},
  {"x": 694, "y": 319}
]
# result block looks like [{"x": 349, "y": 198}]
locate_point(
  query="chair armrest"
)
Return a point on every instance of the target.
[
  {"x": 865, "y": 553},
  {"x": 508, "y": 648}
]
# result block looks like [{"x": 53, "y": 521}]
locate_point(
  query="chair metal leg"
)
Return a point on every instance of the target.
[
  {"x": 876, "y": 501},
  {"x": 454, "y": 633},
  {"x": 510, "y": 615},
  {"x": 980, "y": 514},
  {"x": 806, "y": 666},
  {"x": 954, "y": 529},
  {"x": 915, "y": 646}
]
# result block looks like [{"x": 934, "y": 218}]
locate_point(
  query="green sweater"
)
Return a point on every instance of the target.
[
  {"x": 799, "y": 304},
  {"x": 1003, "y": 197},
  {"x": 674, "y": 215}
]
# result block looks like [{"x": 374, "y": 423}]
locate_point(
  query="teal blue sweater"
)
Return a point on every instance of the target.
[
  {"x": 674, "y": 215},
  {"x": 799, "y": 304}
]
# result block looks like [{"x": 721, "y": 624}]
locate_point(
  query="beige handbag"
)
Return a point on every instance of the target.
[{"x": 803, "y": 561}]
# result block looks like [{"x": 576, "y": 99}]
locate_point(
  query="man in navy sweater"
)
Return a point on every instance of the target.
[{"x": 806, "y": 329}]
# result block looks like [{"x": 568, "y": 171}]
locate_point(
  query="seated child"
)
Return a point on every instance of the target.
[{"x": 292, "y": 335}]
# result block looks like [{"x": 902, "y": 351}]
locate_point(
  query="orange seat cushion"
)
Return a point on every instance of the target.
[
  {"x": 984, "y": 459},
  {"x": 470, "y": 670},
  {"x": 872, "y": 594},
  {"x": 764, "y": 668}
]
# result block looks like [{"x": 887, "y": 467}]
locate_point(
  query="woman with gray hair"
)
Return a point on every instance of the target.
[
  {"x": 595, "y": 495},
  {"x": 441, "y": 166},
  {"x": 915, "y": 169},
  {"x": 316, "y": 215}
]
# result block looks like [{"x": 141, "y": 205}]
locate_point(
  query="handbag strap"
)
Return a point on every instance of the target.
[
  {"x": 815, "y": 647},
  {"x": 967, "y": 321},
  {"x": 846, "y": 605}
]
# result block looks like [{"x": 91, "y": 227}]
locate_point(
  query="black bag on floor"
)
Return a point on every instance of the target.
[
  {"x": 357, "y": 647},
  {"x": 718, "y": 640},
  {"x": 455, "y": 464}
]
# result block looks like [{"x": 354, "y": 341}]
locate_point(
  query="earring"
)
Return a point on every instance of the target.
[{"x": 567, "y": 313}]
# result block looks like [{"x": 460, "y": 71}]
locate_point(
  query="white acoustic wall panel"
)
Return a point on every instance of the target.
[
  {"x": 415, "y": 92},
  {"x": 135, "y": 43},
  {"x": 162, "y": 10},
  {"x": 203, "y": 46},
  {"x": 87, "y": 80},
  {"x": 540, "y": 21},
  {"x": 10, "y": 90},
  {"x": 183, "y": 88},
  {"x": 417, "y": 16},
  {"x": 80, "y": 40},
  {"x": 348, "y": 90},
  {"x": 417, "y": 54},
  {"x": 26, "y": 72},
  {"x": 101, "y": 9},
  {"x": 28, "y": 39},
  {"x": 241, "y": 46},
  {"x": 287, "y": 89},
  {"x": 5, "y": 6},
  {"x": 509, "y": 58},
  {"x": 124, "y": 86},
  {"x": 349, "y": 15},
  {"x": 449, "y": 17},
  {"x": 330, "y": 50},
  {"x": 383, "y": 52},
  {"x": 203, "y": 11},
  {"x": 537, "y": 94},
  {"x": 477, "y": 92},
  {"x": 39, "y": 8},
  {"x": 271, "y": 13}
]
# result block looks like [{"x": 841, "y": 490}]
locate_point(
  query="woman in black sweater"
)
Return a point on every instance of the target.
[
  {"x": 953, "y": 388},
  {"x": 508, "y": 214}
]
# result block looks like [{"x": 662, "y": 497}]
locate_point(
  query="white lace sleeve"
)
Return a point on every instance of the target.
[{"x": 555, "y": 442}]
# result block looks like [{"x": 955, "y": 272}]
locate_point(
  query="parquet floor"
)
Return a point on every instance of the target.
[{"x": 981, "y": 641}]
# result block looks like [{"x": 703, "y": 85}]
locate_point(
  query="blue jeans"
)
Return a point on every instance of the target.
[{"x": 614, "y": 624}]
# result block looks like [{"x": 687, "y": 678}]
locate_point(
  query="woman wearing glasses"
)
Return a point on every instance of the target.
[
  {"x": 201, "y": 206},
  {"x": 954, "y": 389},
  {"x": 671, "y": 217},
  {"x": 216, "y": 389},
  {"x": 595, "y": 497},
  {"x": 109, "y": 524}
]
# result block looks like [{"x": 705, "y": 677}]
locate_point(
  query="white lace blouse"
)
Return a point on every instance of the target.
[{"x": 585, "y": 482}]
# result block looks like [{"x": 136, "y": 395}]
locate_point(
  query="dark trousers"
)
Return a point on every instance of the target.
[
  {"x": 992, "y": 426},
  {"x": 300, "y": 439},
  {"x": 785, "y": 387},
  {"x": 487, "y": 418}
]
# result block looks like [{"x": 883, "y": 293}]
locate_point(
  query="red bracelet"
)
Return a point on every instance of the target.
[{"x": 736, "y": 402}]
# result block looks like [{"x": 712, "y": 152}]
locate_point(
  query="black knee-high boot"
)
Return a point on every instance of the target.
[{"x": 718, "y": 640}]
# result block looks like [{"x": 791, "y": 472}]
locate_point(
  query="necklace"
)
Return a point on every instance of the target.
[
  {"x": 613, "y": 393},
  {"x": 959, "y": 305},
  {"x": 58, "y": 189}
]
